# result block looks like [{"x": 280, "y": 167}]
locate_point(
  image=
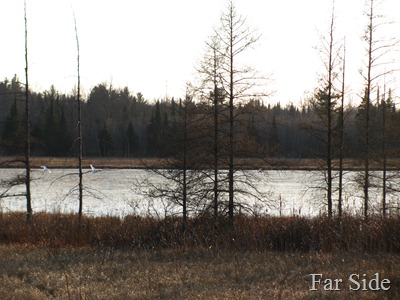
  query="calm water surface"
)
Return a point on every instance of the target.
[{"x": 115, "y": 192}]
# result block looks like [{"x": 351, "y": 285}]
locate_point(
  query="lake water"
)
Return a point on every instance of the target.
[{"x": 116, "y": 192}]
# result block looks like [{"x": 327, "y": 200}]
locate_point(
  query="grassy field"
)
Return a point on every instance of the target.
[
  {"x": 39, "y": 272},
  {"x": 148, "y": 258}
]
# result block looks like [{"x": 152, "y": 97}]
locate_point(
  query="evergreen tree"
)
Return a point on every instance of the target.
[
  {"x": 64, "y": 136},
  {"x": 131, "y": 141},
  {"x": 50, "y": 131},
  {"x": 273, "y": 139},
  {"x": 105, "y": 142},
  {"x": 155, "y": 131},
  {"x": 55, "y": 135},
  {"x": 12, "y": 137}
]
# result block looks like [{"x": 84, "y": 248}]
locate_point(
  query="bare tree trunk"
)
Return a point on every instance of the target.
[
  {"x": 329, "y": 113},
  {"x": 80, "y": 142},
  {"x": 212, "y": 90},
  {"x": 216, "y": 145},
  {"x": 325, "y": 104},
  {"x": 367, "y": 112},
  {"x": 366, "y": 162},
  {"x": 235, "y": 38},
  {"x": 231, "y": 135},
  {"x": 341, "y": 137},
  {"x": 376, "y": 48},
  {"x": 184, "y": 164},
  {"x": 384, "y": 154},
  {"x": 211, "y": 70},
  {"x": 27, "y": 128}
]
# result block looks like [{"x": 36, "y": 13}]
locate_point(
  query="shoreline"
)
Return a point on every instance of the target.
[{"x": 144, "y": 163}]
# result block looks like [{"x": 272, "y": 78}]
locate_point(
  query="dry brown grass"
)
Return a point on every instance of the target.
[
  {"x": 37, "y": 272},
  {"x": 350, "y": 234},
  {"x": 147, "y": 258}
]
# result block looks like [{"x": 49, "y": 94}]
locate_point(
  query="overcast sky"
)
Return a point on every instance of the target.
[{"x": 153, "y": 46}]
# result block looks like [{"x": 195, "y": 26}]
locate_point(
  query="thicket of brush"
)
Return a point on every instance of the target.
[{"x": 249, "y": 233}]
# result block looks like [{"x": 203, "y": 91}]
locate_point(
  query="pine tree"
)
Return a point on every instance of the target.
[
  {"x": 105, "y": 142},
  {"x": 11, "y": 138},
  {"x": 64, "y": 136},
  {"x": 131, "y": 140},
  {"x": 155, "y": 131},
  {"x": 273, "y": 139},
  {"x": 49, "y": 137}
]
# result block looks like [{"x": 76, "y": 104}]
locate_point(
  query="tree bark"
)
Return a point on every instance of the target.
[
  {"x": 27, "y": 129},
  {"x": 79, "y": 129}
]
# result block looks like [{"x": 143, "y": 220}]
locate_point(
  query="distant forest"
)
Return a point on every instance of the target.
[{"x": 117, "y": 123}]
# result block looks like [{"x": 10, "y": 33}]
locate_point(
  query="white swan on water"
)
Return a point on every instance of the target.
[
  {"x": 45, "y": 169},
  {"x": 94, "y": 170}
]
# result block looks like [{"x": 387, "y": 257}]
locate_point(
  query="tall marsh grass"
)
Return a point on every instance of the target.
[{"x": 287, "y": 234}]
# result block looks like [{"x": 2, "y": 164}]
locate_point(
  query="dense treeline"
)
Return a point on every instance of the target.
[{"x": 117, "y": 123}]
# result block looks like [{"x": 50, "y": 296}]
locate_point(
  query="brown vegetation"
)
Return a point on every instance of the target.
[
  {"x": 37, "y": 272},
  {"x": 147, "y": 258},
  {"x": 351, "y": 234}
]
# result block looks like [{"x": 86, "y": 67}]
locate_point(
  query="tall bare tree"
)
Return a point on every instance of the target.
[
  {"x": 79, "y": 126},
  {"x": 384, "y": 134},
  {"x": 376, "y": 66},
  {"x": 239, "y": 82},
  {"x": 367, "y": 99},
  {"x": 211, "y": 93},
  {"x": 27, "y": 128},
  {"x": 341, "y": 134},
  {"x": 325, "y": 106}
]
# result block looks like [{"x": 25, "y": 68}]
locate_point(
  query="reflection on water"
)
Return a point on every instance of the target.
[{"x": 114, "y": 192}]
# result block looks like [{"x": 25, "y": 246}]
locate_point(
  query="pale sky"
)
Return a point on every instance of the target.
[{"x": 153, "y": 46}]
